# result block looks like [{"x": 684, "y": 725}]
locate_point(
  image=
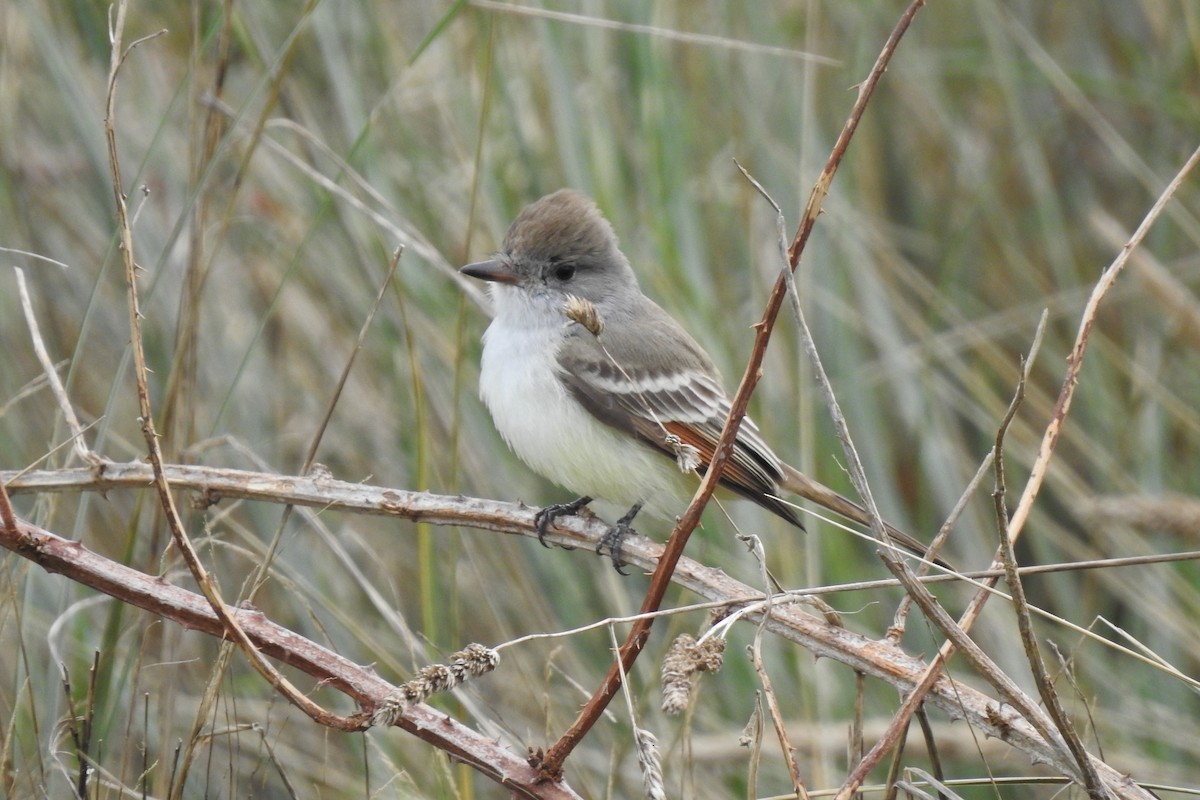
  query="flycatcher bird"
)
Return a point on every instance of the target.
[{"x": 614, "y": 408}]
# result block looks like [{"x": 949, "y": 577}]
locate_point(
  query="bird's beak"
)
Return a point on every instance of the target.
[{"x": 495, "y": 271}]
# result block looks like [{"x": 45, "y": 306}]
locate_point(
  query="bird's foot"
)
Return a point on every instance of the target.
[
  {"x": 611, "y": 541},
  {"x": 545, "y": 518}
]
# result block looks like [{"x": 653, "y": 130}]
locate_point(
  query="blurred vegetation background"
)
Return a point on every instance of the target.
[{"x": 276, "y": 154}]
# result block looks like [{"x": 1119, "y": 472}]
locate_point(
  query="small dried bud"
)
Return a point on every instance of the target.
[
  {"x": 752, "y": 733},
  {"x": 686, "y": 456},
  {"x": 584, "y": 312},
  {"x": 683, "y": 661}
]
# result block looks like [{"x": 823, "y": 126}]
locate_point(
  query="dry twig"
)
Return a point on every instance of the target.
[
  {"x": 560, "y": 750},
  {"x": 178, "y": 534},
  {"x": 821, "y": 637},
  {"x": 1118, "y": 784},
  {"x": 56, "y": 387},
  {"x": 1044, "y": 682},
  {"x": 194, "y": 612}
]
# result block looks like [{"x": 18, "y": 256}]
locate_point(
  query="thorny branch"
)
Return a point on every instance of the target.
[{"x": 552, "y": 762}]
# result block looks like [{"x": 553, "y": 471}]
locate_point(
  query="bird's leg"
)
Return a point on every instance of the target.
[
  {"x": 545, "y": 518},
  {"x": 611, "y": 541}
]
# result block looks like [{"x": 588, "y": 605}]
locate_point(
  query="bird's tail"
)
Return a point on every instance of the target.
[{"x": 800, "y": 484}]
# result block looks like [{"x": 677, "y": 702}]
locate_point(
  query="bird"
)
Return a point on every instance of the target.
[{"x": 597, "y": 388}]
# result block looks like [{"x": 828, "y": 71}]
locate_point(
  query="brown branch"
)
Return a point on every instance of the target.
[
  {"x": 212, "y": 485},
  {"x": 1075, "y": 360},
  {"x": 1037, "y": 475},
  {"x": 145, "y": 411},
  {"x": 192, "y": 611},
  {"x": 661, "y": 579},
  {"x": 881, "y": 660}
]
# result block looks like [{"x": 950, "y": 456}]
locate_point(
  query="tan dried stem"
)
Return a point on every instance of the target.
[
  {"x": 1121, "y": 786},
  {"x": 1045, "y": 685},
  {"x": 328, "y": 669},
  {"x": 821, "y": 636},
  {"x": 896, "y": 631},
  {"x": 768, "y": 690},
  {"x": 178, "y": 535},
  {"x": 78, "y": 443},
  {"x": 552, "y": 762}
]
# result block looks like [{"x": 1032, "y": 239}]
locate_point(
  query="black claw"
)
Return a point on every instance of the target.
[
  {"x": 545, "y": 518},
  {"x": 611, "y": 541}
]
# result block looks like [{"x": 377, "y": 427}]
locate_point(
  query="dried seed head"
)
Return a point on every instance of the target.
[
  {"x": 470, "y": 662},
  {"x": 650, "y": 760},
  {"x": 584, "y": 312},
  {"x": 682, "y": 662},
  {"x": 686, "y": 456}
]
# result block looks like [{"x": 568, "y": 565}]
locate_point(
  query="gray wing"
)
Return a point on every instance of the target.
[{"x": 653, "y": 381}]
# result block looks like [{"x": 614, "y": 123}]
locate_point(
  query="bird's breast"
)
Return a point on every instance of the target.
[{"x": 556, "y": 436}]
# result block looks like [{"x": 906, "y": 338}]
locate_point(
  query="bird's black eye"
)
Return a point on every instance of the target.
[{"x": 564, "y": 272}]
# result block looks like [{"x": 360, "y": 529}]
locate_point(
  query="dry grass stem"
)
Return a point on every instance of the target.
[
  {"x": 1087, "y": 323},
  {"x": 167, "y": 499},
  {"x": 78, "y": 443},
  {"x": 1115, "y": 783},
  {"x": 330, "y": 670},
  {"x": 1045, "y": 685}
]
